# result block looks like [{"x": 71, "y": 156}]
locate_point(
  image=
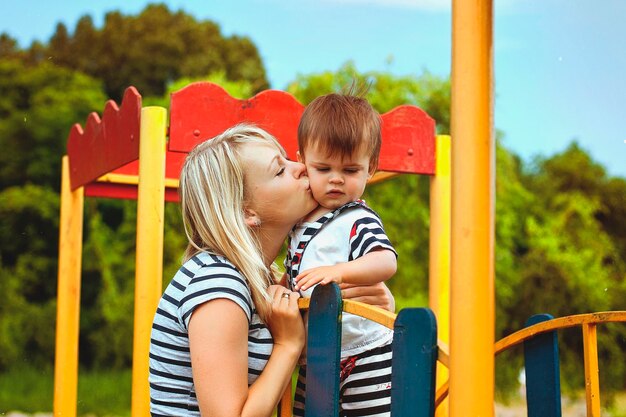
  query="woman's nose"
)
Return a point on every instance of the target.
[{"x": 298, "y": 169}]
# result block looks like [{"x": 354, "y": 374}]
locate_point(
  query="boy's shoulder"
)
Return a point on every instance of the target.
[
  {"x": 359, "y": 207},
  {"x": 353, "y": 211}
]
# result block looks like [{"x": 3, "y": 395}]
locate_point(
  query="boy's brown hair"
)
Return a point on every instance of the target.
[{"x": 341, "y": 124}]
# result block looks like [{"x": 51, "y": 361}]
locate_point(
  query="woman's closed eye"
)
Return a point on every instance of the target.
[{"x": 280, "y": 172}]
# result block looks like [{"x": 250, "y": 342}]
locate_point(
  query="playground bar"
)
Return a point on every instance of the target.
[
  {"x": 592, "y": 377},
  {"x": 439, "y": 240},
  {"x": 473, "y": 185},
  {"x": 149, "y": 261},
  {"x": 68, "y": 299}
]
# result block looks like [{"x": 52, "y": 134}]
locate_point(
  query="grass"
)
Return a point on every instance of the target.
[
  {"x": 26, "y": 389},
  {"x": 107, "y": 393},
  {"x": 100, "y": 393},
  {"x": 619, "y": 407}
]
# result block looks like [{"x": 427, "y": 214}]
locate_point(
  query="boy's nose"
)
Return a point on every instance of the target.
[{"x": 336, "y": 179}]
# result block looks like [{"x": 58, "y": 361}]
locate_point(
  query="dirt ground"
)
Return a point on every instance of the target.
[
  {"x": 517, "y": 408},
  {"x": 570, "y": 408}
]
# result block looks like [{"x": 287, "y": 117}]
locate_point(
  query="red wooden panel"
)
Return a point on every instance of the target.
[
  {"x": 171, "y": 195},
  {"x": 174, "y": 162},
  {"x": 132, "y": 168},
  {"x": 122, "y": 191},
  {"x": 203, "y": 110},
  {"x": 110, "y": 190},
  {"x": 105, "y": 144},
  {"x": 408, "y": 141}
]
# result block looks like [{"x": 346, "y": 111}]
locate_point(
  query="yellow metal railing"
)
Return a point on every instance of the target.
[
  {"x": 588, "y": 323},
  {"x": 149, "y": 254},
  {"x": 68, "y": 298}
]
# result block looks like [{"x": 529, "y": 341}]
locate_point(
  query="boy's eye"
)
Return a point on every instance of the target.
[
  {"x": 351, "y": 170},
  {"x": 321, "y": 169}
]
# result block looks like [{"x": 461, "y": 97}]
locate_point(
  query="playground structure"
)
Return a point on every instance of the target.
[
  {"x": 112, "y": 157},
  {"x": 126, "y": 155}
]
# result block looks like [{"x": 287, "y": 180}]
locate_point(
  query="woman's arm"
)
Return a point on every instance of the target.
[
  {"x": 377, "y": 295},
  {"x": 219, "y": 357}
]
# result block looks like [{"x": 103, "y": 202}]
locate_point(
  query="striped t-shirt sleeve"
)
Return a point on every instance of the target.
[
  {"x": 366, "y": 235},
  {"x": 218, "y": 281}
]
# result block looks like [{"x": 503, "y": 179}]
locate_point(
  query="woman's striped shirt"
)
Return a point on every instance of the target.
[{"x": 203, "y": 278}]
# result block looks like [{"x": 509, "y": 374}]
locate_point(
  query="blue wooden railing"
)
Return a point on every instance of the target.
[{"x": 414, "y": 358}]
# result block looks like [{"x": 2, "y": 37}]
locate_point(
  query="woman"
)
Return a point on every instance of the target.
[{"x": 225, "y": 338}]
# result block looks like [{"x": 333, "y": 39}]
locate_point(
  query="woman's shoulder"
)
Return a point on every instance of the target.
[
  {"x": 207, "y": 276},
  {"x": 209, "y": 267},
  {"x": 209, "y": 260}
]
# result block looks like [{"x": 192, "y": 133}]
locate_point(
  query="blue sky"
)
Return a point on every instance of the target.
[{"x": 560, "y": 65}]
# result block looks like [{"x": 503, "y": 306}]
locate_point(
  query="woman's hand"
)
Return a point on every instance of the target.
[
  {"x": 376, "y": 294},
  {"x": 285, "y": 322}
]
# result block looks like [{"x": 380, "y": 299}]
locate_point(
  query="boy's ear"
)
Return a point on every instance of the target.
[
  {"x": 299, "y": 157},
  {"x": 372, "y": 171},
  {"x": 252, "y": 218}
]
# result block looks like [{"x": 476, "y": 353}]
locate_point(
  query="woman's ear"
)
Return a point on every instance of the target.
[
  {"x": 252, "y": 218},
  {"x": 299, "y": 157}
]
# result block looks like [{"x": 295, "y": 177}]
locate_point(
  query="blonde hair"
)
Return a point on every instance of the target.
[{"x": 213, "y": 201}]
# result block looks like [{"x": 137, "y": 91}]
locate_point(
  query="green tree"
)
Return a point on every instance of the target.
[
  {"x": 28, "y": 265},
  {"x": 242, "y": 89},
  {"x": 38, "y": 105},
  {"x": 152, "y": 49},
  {"x": 560, "y": 257},
  {"x": 386, "y": 91},
  {"x": 8, "y": 47}
]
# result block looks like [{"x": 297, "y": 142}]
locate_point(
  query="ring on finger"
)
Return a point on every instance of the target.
[{"x": 285, "y": 295}]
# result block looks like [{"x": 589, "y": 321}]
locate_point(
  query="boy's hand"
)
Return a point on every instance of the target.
[{"x": 320, "y": 275}]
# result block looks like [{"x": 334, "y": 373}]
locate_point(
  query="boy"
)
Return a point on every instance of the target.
[{"x": 343, "y": 241}]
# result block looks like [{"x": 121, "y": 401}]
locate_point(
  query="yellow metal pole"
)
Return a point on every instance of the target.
[
  {"x": 439, "y": 263},
  {"x": 149, "y": 257},
  {"x": 68, "y": 296},
  {"x": 592, "y": 373},
  {"x": 473, "y": 187}
]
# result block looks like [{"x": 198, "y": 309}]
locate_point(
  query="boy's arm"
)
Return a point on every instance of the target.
[{"x": 371, "y": 268}]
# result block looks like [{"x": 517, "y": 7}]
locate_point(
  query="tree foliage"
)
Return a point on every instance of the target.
[
  {"x": 385, "y": 91},
  {"x": 148, "y": 51},
  {"x": 38, "y": 105}
]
